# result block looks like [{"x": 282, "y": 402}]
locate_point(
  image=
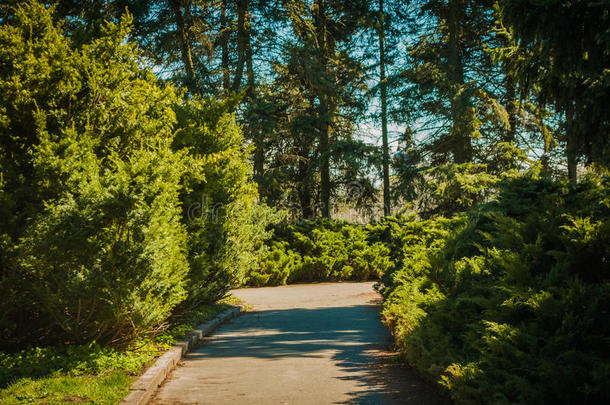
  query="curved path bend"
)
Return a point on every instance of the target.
[{"x": 303, "y": 344}]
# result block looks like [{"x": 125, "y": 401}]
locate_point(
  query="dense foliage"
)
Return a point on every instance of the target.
[
  {"x": 322, "y": 250},
  {"x": 225, "y": 225},
  {"x": 100, "y": 166},
  {"x": 93, "y": 247},
  {"x": 506, "y": 302},
  {"x": 154, "y": 154}
]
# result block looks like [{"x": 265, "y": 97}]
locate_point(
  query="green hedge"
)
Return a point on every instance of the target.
[
  {"x": 508, "y": 302},
  {"x": 92, "y": 243},
  {"x": 321, "y": 250},
  {"x": 101, "y": 165},
  {"x": 226, "y": 227}
]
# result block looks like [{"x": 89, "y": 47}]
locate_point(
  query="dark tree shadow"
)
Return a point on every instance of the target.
[{"x": 353, "y": 333}]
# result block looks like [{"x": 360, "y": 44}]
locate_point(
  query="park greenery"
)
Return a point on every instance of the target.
[{"x": 156, "y": 154}]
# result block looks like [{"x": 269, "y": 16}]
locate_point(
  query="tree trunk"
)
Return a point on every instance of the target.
[
  {"x": 325, "y": 121},
  {"x": 242, "y": 9},
  {"x": 185, "y": 44},
  {"x": 259, "y": 141},
  {"x": 384, "y": 115},
  {"x": 304, "y": 189},
  {"x": 249, "y": 64},
  {"x": 325, "y": 162},
  {"x": 224, "y": 46},
  {"x": 259, "y": 158},
  {"x": 571, "y": 150},
  {"x": 511, "y": 109},
  {"x": 460, "y": 133}
]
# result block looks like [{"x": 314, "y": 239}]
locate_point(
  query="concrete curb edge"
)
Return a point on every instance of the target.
[{"x": 144, "y": 387}]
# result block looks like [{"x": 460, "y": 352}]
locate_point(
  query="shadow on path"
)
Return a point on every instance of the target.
[{"x": 352, "y": 336}]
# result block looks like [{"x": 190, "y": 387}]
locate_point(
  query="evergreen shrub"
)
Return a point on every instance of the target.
[
  {"x": 321, "y": 250},
  {"x": 226, "y": 226},
  {"x": 101, "y": 166},
  {"x": 508, "y": 302}
]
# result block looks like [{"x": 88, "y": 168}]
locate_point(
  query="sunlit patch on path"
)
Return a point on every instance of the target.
[{"x": 318, "y": 344}]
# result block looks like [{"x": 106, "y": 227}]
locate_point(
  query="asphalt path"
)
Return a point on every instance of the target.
[{"x": 302, "y": 344}]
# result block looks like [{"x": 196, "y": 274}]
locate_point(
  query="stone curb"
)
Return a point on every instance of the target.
[{"x": 144, "y": 387}]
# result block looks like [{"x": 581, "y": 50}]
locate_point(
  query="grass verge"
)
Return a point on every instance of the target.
[{"x": 90, "y": 373}]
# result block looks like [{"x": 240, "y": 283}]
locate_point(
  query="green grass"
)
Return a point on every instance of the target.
[
  {"x": 89, "y": 373},
  {"x": 62, "y": 389}
]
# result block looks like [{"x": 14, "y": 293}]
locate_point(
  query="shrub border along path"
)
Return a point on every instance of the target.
[{"x": 144, "y": 387}]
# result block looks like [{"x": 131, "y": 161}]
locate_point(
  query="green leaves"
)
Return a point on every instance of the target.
[
  {"x": 319, "y": 251},
  {"x": 568, "y": 67},
  {"x": 501, "y": 304},
  {"x": 97, "y": 243},
  {"x": 226, "y": 227},
  {"x": 453, "y": 188}
]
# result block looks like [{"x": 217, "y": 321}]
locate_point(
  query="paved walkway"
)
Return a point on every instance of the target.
[{"x": 304, "y": 344}]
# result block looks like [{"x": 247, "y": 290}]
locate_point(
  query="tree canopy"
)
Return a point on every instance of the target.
[{"x": 155, "y": 154}]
